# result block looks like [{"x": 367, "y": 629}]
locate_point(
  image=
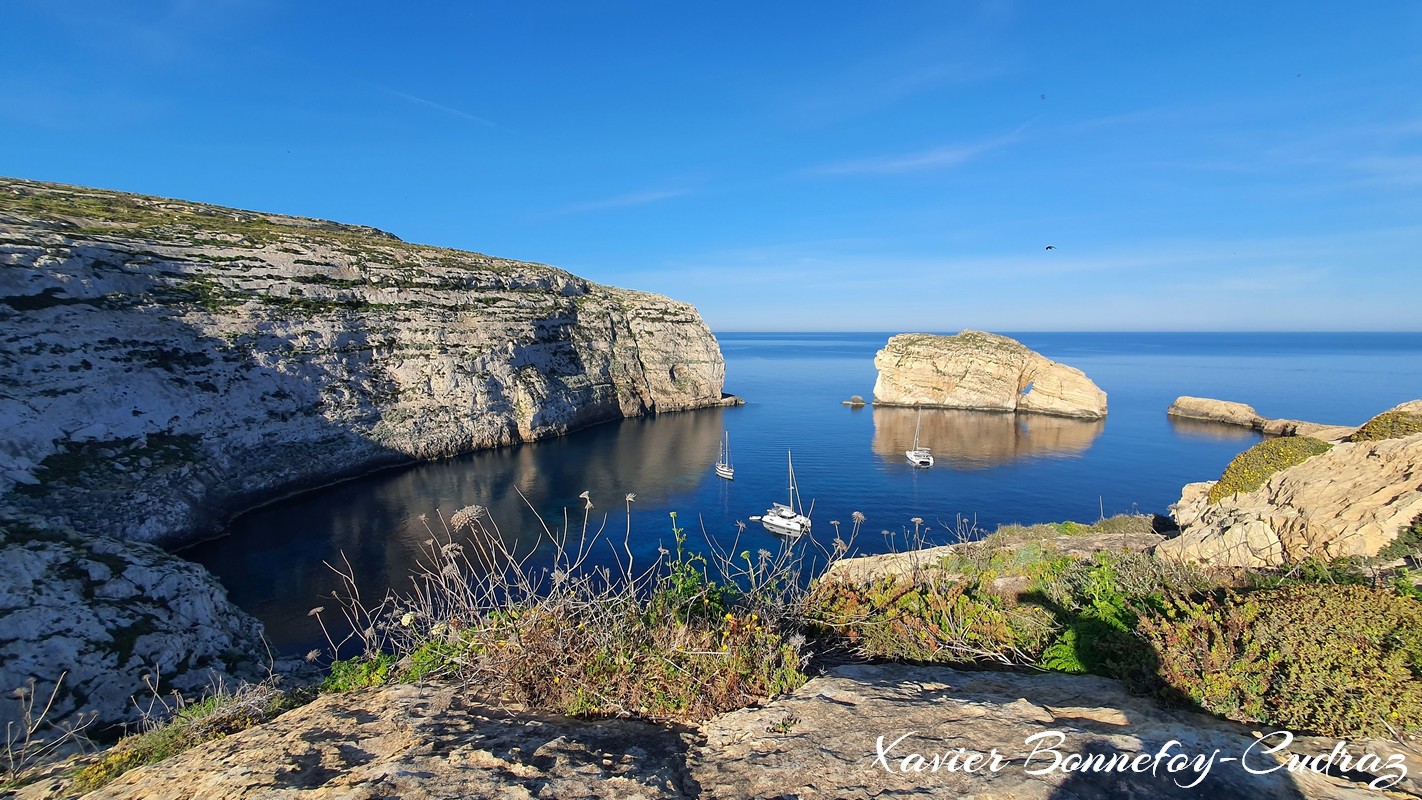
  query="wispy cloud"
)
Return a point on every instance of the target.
[
  {"x": 624, "y": 200},
  {"x": 422, "y": 101},
  {"x": 951, "y": 155},
  {"x": 1390, "y": 170}
]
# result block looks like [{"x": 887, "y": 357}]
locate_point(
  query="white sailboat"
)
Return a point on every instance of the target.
[
  {"x": 723, "y": 464},
  {"x": 918, "y": 456},
  {"x": 787, "y": 519}
]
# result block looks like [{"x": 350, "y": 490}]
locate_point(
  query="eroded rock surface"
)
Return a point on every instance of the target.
[
  {"x": 983, "y": 372},
  {"x": 821, "y": 741},
  {"x": 166, "y": 363},
  {"x": 1352, "y": 500},
  {"x": 103, "y": 613}
]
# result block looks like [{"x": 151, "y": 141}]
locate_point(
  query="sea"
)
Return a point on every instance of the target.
[{"x": 279, "y": 561}]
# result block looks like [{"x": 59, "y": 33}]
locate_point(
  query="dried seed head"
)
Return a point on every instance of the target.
[{"x": 466, "y": 517}]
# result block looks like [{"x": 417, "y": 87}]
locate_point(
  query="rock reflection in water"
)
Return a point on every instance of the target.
[
  {"x": 1204, "y": 429},
  {"x": 271, "y": 561},
  {"x": 969, "y": 440}
]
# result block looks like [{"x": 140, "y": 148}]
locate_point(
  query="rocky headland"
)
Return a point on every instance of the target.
[
  {"x": 165, "y": 364},
  {"x": 980, "y": 371},
  {"x": 1351, "y": 499},
  {"x": 1205, "y": 409}
]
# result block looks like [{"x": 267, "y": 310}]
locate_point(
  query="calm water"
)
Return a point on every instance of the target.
[{"x": 991, "y": 468}]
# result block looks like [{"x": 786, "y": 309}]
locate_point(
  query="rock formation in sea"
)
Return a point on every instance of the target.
[
  {"x": 1352, "y": 500},
  {"x": 1231, "y": 413},
  {"x": 981, "y": 371},
  {"x": 167, "y": 363}
]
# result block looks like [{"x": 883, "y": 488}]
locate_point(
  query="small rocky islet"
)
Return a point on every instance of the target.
[{"x": 169, "y": 363}]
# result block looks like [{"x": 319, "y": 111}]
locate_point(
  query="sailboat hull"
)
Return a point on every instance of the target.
[
  {"x": 723, "y": 464},
  {"x": 783, "y": 520}
]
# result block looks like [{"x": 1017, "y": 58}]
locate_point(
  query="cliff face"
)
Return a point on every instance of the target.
[
  {"x": 166, "y": 363},
  {"x": 981, "y": 371}
]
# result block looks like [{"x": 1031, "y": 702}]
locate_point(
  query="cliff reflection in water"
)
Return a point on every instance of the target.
[
  {"x": 970, "y": 440},
  {"x": 271, "y": 561}
]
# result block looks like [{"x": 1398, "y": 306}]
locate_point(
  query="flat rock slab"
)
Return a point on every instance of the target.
[
  {"x": 826, "y": 741},
  {"x": 411, "y": 743}
]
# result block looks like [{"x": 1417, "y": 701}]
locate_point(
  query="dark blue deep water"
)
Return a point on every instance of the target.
[{"x": 991, "y": 468}]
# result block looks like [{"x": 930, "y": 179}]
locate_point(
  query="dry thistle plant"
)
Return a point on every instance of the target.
[
  {"x": 34, "y": 741},
  {"x": 572, "y": 623}
]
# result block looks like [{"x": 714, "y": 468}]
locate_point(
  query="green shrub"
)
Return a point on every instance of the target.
[
  {"x": 939, "y": 621},
  {"x": 1250, "y": 469},
  {"x": 1329, "y": 659},
  {"x": 1098, "y": 602},
  {"x": 358, "y": 673},
  {"x": 1388, "y": 425}
]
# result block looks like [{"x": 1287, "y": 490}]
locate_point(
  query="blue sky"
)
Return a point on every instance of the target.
[{"x": 790, "y": 165}]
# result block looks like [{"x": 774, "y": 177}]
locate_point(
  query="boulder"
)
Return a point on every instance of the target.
[{"x": 981, "y": 371}]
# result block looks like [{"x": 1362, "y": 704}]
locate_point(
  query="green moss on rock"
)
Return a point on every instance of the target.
[{"x": 1250, "y": 469}]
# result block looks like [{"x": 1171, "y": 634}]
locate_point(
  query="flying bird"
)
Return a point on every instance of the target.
[{"x": 1051, "y": 247}]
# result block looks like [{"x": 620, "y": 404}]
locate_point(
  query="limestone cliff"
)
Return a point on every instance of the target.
[
  {"x": 1349, "y": 501},
  {"x": 983, "y": 372},
  {"x": 166, "y": 363}
]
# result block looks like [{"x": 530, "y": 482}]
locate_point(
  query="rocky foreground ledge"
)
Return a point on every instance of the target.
[
  {"x": 858, "y": 732},
  {"x": 981, "y": 371},
  {"x": 167, "y": 363}
]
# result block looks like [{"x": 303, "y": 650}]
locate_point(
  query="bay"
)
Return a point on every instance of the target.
[{"x": 991, "y": 468}]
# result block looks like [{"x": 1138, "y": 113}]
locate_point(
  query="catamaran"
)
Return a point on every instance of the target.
[
  {"x": 787, "y": 519},
  {"x": 723, "y": 464},
  {"x": 918, "y": 456}
]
